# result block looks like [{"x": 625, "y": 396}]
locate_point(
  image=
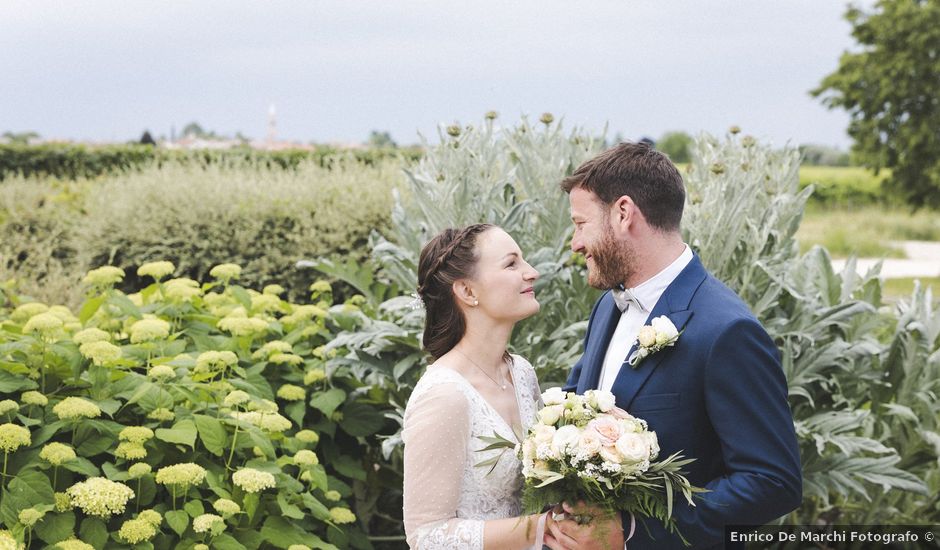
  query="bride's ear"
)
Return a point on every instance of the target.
[{"x": 464, "y": 293}]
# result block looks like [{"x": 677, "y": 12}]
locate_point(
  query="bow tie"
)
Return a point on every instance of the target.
[{"x": 624, "y": 298}]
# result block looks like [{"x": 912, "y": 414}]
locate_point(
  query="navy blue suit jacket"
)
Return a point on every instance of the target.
[{"x": 719, "y": 396}]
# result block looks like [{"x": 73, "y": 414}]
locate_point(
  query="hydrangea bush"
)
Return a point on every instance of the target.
[{"x": 185, "y": 415}]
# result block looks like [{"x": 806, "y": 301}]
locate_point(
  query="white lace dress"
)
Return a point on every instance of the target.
[{"x": 446, "y": 497}]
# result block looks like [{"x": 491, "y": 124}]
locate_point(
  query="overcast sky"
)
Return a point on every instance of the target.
[{"x": 335, "y": 70}]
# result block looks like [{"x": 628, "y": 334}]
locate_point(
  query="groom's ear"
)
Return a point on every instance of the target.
[
  {"x": 623, "y": 212},
  {"x": 464, "y": 293}
]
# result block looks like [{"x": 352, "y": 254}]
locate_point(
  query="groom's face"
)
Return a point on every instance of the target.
[{"x": 609, "y": 261}]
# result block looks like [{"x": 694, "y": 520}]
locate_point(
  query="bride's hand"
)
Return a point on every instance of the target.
[{"x": 602, "y": 530}]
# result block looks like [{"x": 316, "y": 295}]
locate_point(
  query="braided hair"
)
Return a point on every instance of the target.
[{"x": 448, "y": 257}]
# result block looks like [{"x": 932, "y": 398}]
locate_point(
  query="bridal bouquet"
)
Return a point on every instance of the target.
[{"x": 585, "y": 448}]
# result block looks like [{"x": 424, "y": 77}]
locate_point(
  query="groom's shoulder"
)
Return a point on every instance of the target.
[{"x": 720, "y": 303}]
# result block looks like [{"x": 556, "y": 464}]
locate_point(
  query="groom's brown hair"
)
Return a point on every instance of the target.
[{"x": 637, "y": 170}]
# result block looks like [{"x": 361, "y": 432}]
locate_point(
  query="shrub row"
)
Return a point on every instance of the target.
[
  {"x": 52, "y": 231},
  {"x": 71, "y": 161}
]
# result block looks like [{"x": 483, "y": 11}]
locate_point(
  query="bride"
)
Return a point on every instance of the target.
[{"x": 475, "y": 286}]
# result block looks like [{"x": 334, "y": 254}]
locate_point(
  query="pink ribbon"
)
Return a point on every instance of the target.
[{"x": 540, "y": 531}]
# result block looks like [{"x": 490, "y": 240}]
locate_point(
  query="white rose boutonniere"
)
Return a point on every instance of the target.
[{"x": 659, "y": 334}]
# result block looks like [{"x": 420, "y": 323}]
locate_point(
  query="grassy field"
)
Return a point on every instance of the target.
[{"x": 865, "y": 231}]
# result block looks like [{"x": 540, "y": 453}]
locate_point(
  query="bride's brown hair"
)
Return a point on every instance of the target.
[{"x": 448, "y": 257}]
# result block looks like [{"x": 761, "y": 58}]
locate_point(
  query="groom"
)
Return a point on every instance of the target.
[{"x": 718, "y": 395}]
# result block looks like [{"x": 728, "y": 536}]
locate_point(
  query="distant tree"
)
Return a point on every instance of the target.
[
  {"x": 147, "y": 139},
  {"x": 381, "y": 139},
  {"x": 676, "y": 145},
  {"x": 193, "y": 129},
  {"x": 891, "y": 90},
  {"x": 820, "y": 155},
  {"x": 20, "y": 138}
]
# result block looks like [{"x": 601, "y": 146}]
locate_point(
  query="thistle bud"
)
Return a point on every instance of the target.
[{"x": 546, "y": 118}]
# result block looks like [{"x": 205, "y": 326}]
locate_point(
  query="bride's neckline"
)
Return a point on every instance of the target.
[{"x": 515, "y": 390}]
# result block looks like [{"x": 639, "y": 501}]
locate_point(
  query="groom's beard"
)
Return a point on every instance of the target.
[{"x": 613, "y": 263}]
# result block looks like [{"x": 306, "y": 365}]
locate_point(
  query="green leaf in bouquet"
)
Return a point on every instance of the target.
[{"x": 183, "y": 432}]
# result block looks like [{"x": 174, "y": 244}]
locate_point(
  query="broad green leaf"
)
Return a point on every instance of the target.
[
  {"x": 55, "y": 527},
  {"x": 89, "y": 308},
  {"x": 94, "y": 532},
  {"x": 211, "y": 432},
  {"x": 224, "y": 541},
  {"x": 10, "y": 383},
  {"x": 361, "y": 420},
  {"x": 327, "y": 401},
  {"x": 183, "y": 432},
  {"x": 287, "y": 509},
  {"x": 349, "y": 467},
  {"x": 194, "y": 508},
  {"x": 178, "y": 520}
]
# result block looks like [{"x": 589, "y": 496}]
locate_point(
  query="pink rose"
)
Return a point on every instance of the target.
[{"x": 607, "y": 428}]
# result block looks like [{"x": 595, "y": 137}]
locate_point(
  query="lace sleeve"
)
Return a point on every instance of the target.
[{"x": 436, "y": 432}]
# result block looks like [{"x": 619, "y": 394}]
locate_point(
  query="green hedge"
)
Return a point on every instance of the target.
[
  {"x": 70, "y": 161},
  {"x": 52, "y": 231}
]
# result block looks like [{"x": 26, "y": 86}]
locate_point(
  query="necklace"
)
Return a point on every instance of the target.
[{"x": 502, "y": 385}]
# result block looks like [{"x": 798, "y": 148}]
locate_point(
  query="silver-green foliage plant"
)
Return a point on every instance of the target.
[
  {"x": 183, "y": 414},
  {"x": 509, "y": 177},
  {"x": 862, "y": 375}
]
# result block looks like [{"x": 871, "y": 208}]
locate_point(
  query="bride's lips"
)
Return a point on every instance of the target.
[{"x": 529, "y": 290}]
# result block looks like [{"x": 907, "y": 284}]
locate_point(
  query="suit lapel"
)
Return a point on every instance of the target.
[
  {"x": 674, "y": 304},
  {"x": 608, "y": 317}
]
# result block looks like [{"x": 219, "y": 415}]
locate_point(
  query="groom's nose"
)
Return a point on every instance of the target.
[{"x": 576, "y": 244}]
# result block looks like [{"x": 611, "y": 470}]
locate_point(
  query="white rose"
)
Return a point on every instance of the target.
[
  {"x": 542, "y": 433},
  {"x": 665, "y": 330},
  {"x": 553, "y": 396},
  {"x": 565, "y": 438},
  {"x": 653, "y": 443},
  {"x": 549, "y": 415},
  {"x": 633, "y": 448},
  {"x": 630, "y": 426},
  {"x": 647, "y": 336},
  {"x": 589, "y": 443},
  {"x": 601, "y": 400},
  {"x": 611, "y": 454}
]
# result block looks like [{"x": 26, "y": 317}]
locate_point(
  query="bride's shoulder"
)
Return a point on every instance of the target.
[
  {"x": 439, "y": 381},
  {"x": 521, "y": 363}
]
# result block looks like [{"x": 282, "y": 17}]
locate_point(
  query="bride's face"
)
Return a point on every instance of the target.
[{"x": 503, "y": 282}]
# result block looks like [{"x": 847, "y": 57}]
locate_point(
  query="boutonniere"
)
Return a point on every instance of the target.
[{"x": 659, "y": 334}]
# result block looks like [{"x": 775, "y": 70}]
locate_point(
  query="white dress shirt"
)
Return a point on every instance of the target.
[{"x": 647, "y": 294}]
